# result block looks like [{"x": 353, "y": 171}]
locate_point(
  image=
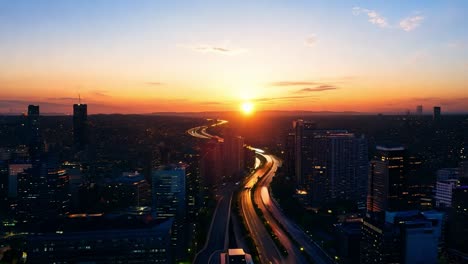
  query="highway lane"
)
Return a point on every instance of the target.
[
  {"x": 308, "y": 245},
  {"x": 218, "y": 234},
  {"x": 268, "y": 252},
  {"x": 266, "y": 247},
  {"x": 294, "y": 253},
  {"x": 200, "y": 131}
]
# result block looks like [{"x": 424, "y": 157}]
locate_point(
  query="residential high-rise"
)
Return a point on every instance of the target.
[
  {"x": 233, "y": 153},
  {"x": 13, "y": 171},
  {"x": 458, "y": 223},
  {"x": 463, "y": 171},
  {"x": 447, "y": 174},
  {"x": 290, "y": 159},
  {"x": 211, "y": 161},
  {"x": 169, "y": 201},
  {"x": 97, "y": 238},
  {"x": 387, "y": 189},
  {"x": 168, "y": 187},
  {"x": 443, "y": 192},
  {"x": 437, "y": 112},
  {"x": 404, "y": 237},
  {"x": 304, "y": 131},
  {"x": 34, "y": 133},
  {"x": 43, "y": 193},
  {"x": 339, "y": 167},
  {"x": 80, "y": 126},
  {"x": 379, "y": 243},
  {"x": 331, "y": 164}
]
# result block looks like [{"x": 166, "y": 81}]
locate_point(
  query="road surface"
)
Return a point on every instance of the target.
[
  {"x": 200, "y": 131},
  {"x": 218, "y": 234},
  {"x": 273, "y": 213},
  {"x": 268, "y": 252}
]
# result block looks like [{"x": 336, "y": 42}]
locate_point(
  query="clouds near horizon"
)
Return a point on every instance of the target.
[{"x": 320, "y": 88}]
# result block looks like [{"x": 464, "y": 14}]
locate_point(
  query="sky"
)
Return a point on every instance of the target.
[{"x": 164, "y": 56}]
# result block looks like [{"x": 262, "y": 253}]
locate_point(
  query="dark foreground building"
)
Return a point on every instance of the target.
[
  {"x": 101, "y": 239},
  {"x": 80, "y": 126}
]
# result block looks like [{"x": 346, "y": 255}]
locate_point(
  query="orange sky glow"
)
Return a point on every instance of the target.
[{"x": 158, "y": 57}]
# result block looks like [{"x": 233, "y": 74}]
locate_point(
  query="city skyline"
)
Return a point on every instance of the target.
[
  {"x": 145, "y": 56},
  {"x": 223, "y": 132}
]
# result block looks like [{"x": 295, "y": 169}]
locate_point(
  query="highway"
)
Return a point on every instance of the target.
[
  {"x": 268, "y": 250},
  {"x": 200, "y": 131},
  {"x": 274, "y": 214},
  {"x": 218, "y": 234}
]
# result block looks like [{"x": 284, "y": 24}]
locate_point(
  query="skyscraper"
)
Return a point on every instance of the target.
[
  {"x": 404, "y": 237},
  {"x": 80, "y": 126},
  {"x": 211, "y": 161},
  {"x": 437, "y": 112},
  {"x": 169, "y": 201},
  {"x": 168, "y": 187},
  {"x": 387, "y": 180},
  {"x": 303, "y": 132},
  {"x": 331, "y": 164},
  {"x": 458, "y": 222},
  {"x": 290, "y": 152},
  {"x": 443, "y": 192},
  {"x": 33, "y": 133},
  {"x": 233, "y": 153}
]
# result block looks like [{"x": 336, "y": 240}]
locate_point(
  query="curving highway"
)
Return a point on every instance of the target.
[
  {"x": 218, "y": 234},
  {"x": 268, "y": 252},
  {"x": 282, "y": 226},
  {"x": 274, "y": 215},
  {"x": 200, "y": 131}
]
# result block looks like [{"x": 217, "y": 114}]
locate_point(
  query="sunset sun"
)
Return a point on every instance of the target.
[{"x": 247, "y": 108}]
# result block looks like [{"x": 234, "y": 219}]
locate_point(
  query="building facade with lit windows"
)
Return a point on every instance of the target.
[
  {"x": 403, "y": 237},
  {"x": 332, "y": 165},
  {"x": 100, "y": 239},
  {"x": 387, "y": 180},
  {"x": 444, "y": 191},
  {"x": 169, "y": 202}
]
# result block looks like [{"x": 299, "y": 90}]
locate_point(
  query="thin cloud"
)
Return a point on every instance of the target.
[
  {"x": 320, "y": 88},
  {"x": 311, "y": 40},
  {"x": 411, "y": 23},
  {"x": 203, "y": 48},
  {"x": 284, "y": 98},
  {"x": 374, "y": 17}
]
